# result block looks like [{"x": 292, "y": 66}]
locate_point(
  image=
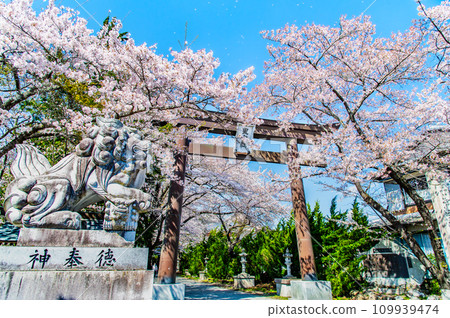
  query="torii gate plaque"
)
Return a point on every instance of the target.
[{"x": 298, "y": 134}]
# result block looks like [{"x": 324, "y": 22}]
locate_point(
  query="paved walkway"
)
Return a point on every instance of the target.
[{"x": 196, "y": 290}]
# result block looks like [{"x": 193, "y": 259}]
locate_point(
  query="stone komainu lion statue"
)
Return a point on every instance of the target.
[{"x": 108, "y": 165}]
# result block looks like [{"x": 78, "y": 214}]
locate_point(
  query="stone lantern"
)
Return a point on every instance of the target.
[
  {"x": 243, "y": 256},
  {"x": 284, "y": 284},
  {"x": 202, "y": 274},
  {"x": 206, "y": 264},
  {"x": 287, "y": 259},
  {"x": 244, "y": 280}
]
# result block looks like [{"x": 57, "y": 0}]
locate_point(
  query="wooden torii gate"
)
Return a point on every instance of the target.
[{"x": 298, "y": 134}]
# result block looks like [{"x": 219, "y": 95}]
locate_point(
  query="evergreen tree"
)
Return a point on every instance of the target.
[
  {"x": 192, "y": 258},
  {"x": 339, "y": 243},
  {"x": 346, "y": 239},
  {"x": 218, "y": 254},
  {"x": 265, "y": 250},
  {"x": 318, "y": 231}
]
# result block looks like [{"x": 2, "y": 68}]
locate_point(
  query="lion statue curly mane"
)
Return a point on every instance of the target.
[{"x": 109, "y": 165}]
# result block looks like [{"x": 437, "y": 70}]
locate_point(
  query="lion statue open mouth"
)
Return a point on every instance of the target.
[{"x": 108, "y": 165}]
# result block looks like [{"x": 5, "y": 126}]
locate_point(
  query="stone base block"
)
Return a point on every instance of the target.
[
  {"x": 86, "y": 238},
  {"x": 445, "y": 294},
  {"x": 284, "y": 287},
  {"x": 241, "y": 281},
  {"x": 168, "y": 291},
  {"x": 202, "y": 275},
  {"x": 311, "y": 290},
  {"x": 81, "y": 285},
  {"x": 21, "y": 258}
]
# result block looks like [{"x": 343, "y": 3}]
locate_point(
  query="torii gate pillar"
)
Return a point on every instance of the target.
[
  {"x": 304, "y": 242},
  {"x": 169, "y": 252}
]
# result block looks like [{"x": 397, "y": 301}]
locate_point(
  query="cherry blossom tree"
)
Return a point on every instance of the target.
[
  {"x": 57, "y": 75},
  {"x": 107, "y": 74},
  {"x": 436, "y": 21},
  {"x": 228, "y": 194},
  {"x": 218, "y": 193},
  {"x": 377, "y": 100},
  {"x": 103, "y": 74}
]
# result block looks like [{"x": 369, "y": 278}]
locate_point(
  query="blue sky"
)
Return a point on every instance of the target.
[{"x": 231, "y": 29}]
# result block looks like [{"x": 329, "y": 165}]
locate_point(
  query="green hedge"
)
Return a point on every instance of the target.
[{"x": 339, "y": 242}]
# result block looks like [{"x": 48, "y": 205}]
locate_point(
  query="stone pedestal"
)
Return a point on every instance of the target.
[
  {"x": 202, "y": 275},
  {"x": 77, "y": 285},
  {"x": 311, "y": 290},
  {"x": 85, "y": 238},
  {"x": 168, "y": 291},
  {"x": 244, "y": 280},
  {"x": 284, "y": 286},
  {"x": 44, "y": 258},
  {"x": 70, "y": 264}
]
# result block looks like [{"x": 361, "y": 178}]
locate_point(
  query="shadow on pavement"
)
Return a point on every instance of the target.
[{"x": 202, "y": 291}]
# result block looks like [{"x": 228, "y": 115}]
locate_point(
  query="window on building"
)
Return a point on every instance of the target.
[{"x": 398, "y": 200}]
